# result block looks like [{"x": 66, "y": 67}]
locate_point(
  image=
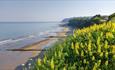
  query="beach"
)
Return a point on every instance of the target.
[{"x": 21, "y": 55}]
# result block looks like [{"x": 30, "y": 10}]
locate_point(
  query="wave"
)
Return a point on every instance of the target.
[
  {"x": 44, "y": 34},
  {"x": 16, "y": 39},
  {"x": 5, "y": 41},
  {"x": 50, "y": 32}
]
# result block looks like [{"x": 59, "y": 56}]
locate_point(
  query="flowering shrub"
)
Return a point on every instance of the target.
[{"x": 90, "y": 48}]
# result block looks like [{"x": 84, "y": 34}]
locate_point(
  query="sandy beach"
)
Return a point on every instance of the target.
[{"x": 20, "y": 56}]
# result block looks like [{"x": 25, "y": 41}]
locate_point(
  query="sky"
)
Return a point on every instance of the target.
[{"x": 52, "y": 10}]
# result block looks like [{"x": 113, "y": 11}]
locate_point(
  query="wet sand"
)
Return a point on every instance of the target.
[{"x": 9, "y": 60}]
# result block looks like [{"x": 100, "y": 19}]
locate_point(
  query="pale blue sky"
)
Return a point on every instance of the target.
[{"x": 52, "y": 10}]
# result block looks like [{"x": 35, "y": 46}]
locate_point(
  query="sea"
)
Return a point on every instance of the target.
[
  {"x": 19, "y": 34},
  {"x": 15, "y": 35}
]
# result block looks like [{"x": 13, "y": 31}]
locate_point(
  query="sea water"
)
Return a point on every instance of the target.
[{"x": 20, "y": 34}]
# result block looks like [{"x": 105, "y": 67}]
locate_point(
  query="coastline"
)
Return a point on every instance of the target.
[
  {"x": 13, "y": 59},
  {"x": 39, "y": 46}
]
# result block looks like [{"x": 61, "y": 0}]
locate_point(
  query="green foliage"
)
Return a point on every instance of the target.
[
  {"x": 81, "y": 22},
  {"x": 77, "y": 22},
  {"x": 111, "y": 18},
  {"x": 96, "y": 20},
  {"x": 90, "y": 48}
]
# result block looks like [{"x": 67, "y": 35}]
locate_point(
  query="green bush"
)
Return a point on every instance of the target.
[{"x": 90, "y": 48}]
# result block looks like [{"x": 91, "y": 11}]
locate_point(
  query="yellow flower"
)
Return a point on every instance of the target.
[
  {"x": 89, "y": 45},
  {"x": 39, "y": 61},
  {"x": 99, "y": 62},
  {"x": 52, "y": 64},
  {"x": 84, "y": 60},
  {"x": 98, "y": 41},
  {"x": 82, "y": 53},
  {"x": 99, "y": 49},
  {"x": 98, "y": 45},
  {"x": 93, "y": 58},
  {"x": 101, "y": 34},
  {"x": 74, "y": 34},
  {"x": 45, "y": 58},
  {"x": 77, "y": 51},
  {"x": 101, "y": 54},
  {"x": 81, "y": 45},
  {"x": 109, "y": 35},
  {"x": 72, "y": 45},
  {"x": 106, "y": 54},
  {"x": 113, "y": 49},
  {"x": 59, "y": 54},
  {"x": 87, "y": 62},
  {"x": 106, "y": 63},
  {"x": 106, "y": 45},
  {"x": 89, "y": 34},
  {"x": 64, "y": 68},
  {"x": 55, "y": 54},
  {"x": 95, "y": 66},
  {"x": 113, "y": 56},
  {"x": 76, "y": 45}
]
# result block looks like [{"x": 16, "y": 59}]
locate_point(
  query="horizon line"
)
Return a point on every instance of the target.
[{"x": 30, "y": 21}]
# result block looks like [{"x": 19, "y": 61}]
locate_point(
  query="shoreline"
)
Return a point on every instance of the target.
[
  {"x": 39, "y": 46},
  {"x": 13, "y": 59}
]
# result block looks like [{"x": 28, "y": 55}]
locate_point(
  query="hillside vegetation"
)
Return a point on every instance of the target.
[
  {"x": 90, "y": 48},
  {"x": 80, "y": 22}
]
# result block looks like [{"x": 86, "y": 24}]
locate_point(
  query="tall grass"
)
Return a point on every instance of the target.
[{"x": 90, "y": 48}]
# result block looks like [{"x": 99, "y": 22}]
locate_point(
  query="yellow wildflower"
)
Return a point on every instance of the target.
[
  {"x": 93, "y": 58},
  {"x": 39, "y": 61},
  {"x": 109, "y": 35},
  {"x": 72, "y": 45},
  {"x": 101, "y": 54},
  {"x": 52, "y": 64},
  {"x": 106, "y": 63}
]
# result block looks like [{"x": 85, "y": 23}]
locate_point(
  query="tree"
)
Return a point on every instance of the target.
[{"x": 111, "y": 17}]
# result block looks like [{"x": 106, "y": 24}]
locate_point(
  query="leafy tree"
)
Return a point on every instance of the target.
[{"x": 111, "y": 17}]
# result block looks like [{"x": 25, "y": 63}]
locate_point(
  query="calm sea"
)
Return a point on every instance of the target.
[{"x": 19, "y": 34}]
